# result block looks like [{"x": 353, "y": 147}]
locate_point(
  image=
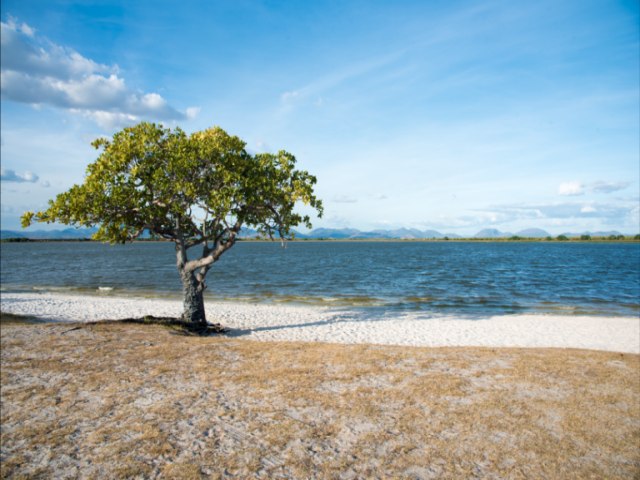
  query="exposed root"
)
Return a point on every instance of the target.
[{"x": 178, "y": 324}]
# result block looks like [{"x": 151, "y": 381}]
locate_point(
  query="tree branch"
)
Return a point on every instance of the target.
[{"x": 215, "y": 253}]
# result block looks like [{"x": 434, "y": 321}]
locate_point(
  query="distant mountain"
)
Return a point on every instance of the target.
[
  {"x": 491, "y": 233},
  {"x": 406, "y": 233},
  {"x": 533, "y": 233},
  {"x": 318, "y": 233},
  {"x": 340, "y": 233},
  {"x": 436, "y": 234},
  {"x": 353, "y": 234},
  {"x": 66, "y": 234},
  {"x": 10, "y": 234},
  {"x": 248, "y": 233},
  {"x": 80, "y": 233}
]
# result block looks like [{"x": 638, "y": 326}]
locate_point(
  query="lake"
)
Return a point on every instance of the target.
[{"x": 439, "y": 277}]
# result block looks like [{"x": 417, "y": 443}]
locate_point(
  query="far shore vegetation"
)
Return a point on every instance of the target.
[{"x": 514, "y": 238}]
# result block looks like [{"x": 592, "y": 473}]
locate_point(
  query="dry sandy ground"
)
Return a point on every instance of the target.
[{"x": 116, "y": 400}]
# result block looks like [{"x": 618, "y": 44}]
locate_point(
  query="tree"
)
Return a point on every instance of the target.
[{"x": 196, "y": 190}]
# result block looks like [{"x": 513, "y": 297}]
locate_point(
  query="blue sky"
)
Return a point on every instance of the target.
[{"x": 444, "y": 115}]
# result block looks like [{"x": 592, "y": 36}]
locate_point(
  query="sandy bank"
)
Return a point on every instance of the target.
[{"x": 353, "y": 326}]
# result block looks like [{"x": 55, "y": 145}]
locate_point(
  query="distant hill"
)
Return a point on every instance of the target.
[
  {"x": 82, "y": 233},
  {"x": 319, "y": 233},
  {"x": 353, "y": 234},
  {"x": 66, "y": 234},
  {"x": 11, "y": 234},
  {"x": 533, "y": 233},
  {"x": 340, "y": 233},
  {"x": 492, "y": 233}
]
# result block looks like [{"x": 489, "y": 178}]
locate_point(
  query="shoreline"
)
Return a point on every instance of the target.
[{"x": 343, "y": 325}]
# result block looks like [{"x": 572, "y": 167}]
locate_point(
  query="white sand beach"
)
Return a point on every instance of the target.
[{"x": 278, "y": 322}]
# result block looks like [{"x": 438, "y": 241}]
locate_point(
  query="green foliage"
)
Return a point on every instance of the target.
[
  {"x": 187, "y": 188},
  {"x": 562, "y": 238},
  {"x": 585, "y": 237},
  {"x": 515, "y": 237}
]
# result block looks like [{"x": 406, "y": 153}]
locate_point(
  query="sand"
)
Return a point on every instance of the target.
[
  {"x": 111, "y": 400},
  {"x": 279, "y": 322}
]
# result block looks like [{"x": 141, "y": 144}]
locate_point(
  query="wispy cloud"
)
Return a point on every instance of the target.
[
  {"x": 12, "y": 176},
  {"x": 608, "y": 187},
  {"x": 541, "y": 215},
  {"x": 344, "y": 199},
  {"x": 564, "y": 210},
  {"x": 316, "y": 88},
  {"x": 39, "y": 72},
  {"x": 576, "y": 188}
]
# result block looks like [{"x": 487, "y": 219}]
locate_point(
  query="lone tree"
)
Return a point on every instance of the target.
[{"x": 196, "y": 190}]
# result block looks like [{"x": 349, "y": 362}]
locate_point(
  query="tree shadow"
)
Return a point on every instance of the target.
[{"x": 359, "y": 316}]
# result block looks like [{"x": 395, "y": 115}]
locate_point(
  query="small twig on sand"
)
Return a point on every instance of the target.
[{"x": 70, "y": 330}]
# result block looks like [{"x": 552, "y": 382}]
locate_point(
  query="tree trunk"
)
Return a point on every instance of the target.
[{"x": 193, "y": 299}]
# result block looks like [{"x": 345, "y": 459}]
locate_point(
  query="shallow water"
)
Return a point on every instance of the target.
[{"x": 487, "y": 278}]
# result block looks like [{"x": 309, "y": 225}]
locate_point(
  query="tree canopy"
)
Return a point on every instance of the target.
[{"x": 197, "y": 189}]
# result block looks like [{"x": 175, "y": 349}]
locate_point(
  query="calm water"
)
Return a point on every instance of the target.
[{"x": 435, "y": 277}]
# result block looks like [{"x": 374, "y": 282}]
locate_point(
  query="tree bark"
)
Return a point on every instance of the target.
[{"x": 193, "y": 299}]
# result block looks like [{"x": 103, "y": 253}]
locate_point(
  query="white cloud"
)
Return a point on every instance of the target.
[
  {"x": 22, "y": 51},
  {"x": 571, "y": 189},
  {"x": 39, "y": 72},
  {"x": 588, "y": 209},
  {"x": 27, "y": 30},
  {"x": 107, "y": 120},
  {"x": 12, "y": 176}
]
